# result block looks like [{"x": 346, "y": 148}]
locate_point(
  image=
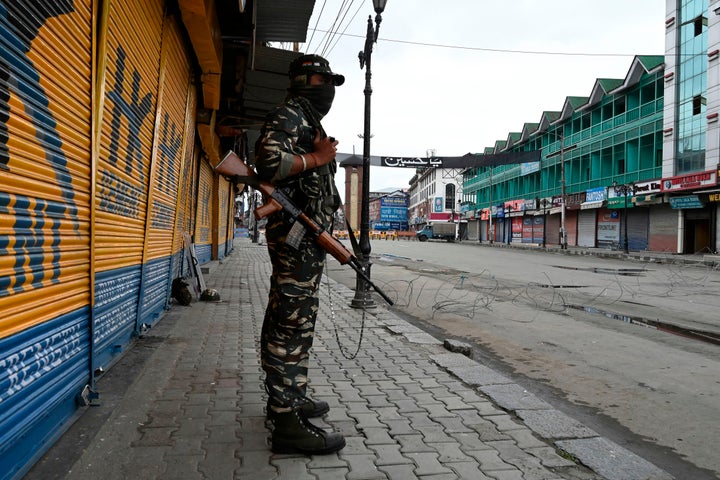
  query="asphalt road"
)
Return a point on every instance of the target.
[{"x": 589, "y": 335}]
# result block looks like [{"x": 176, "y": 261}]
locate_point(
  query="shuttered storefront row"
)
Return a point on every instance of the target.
[
  {"x": 169, "y": 144},
  {"x": 187, "y": 190},
  {"x": 131, "y": 83},
  {"x": 99, "y": 178},
  {"x": 45, "y": 165}
]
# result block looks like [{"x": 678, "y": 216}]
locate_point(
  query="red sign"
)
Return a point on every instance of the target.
[{"x": 689, "y": 182}]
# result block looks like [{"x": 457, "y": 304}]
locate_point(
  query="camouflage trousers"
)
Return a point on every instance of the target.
[{"x": 289, "y": 325}]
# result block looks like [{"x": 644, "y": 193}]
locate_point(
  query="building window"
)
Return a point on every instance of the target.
[
  {"x": 699, "y": 25},
  {"x": 698, "y": 102},
  {"x": 449, "y": 196},
  {"x": 620, "y": 105}
]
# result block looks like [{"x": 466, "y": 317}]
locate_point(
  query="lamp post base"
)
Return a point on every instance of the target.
[
  {"x": 362, "y": 298},
  {"x": 363, "y": 301}
]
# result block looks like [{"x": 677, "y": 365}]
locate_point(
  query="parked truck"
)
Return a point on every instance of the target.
[{"x": 438, "y": 231}]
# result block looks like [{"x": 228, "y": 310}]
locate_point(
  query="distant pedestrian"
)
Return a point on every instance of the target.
[{"x": 295, "y": 155}]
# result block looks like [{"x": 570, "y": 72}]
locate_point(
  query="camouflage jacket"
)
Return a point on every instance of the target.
[{"x": 289, "y": 131}]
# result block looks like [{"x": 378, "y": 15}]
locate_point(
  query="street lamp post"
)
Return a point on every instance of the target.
[
  {"x": 544, "y": 204},
  {"x": 624, "y": 190},
  {"x": 362, "y": 297},
  {"x": 457, "y": 222},
  {"x": 508, "y": 223}
]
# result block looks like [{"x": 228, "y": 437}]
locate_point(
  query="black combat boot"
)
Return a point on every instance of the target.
[
  {"x": 314, "y": 408},
  {"x": 309, "y": 407},
  {"x": 293, "y": 433}
]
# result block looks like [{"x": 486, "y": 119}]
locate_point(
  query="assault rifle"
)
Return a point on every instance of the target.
[{"x": 234, "y": 167}]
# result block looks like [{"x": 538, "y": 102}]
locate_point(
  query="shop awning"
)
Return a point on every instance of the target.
[
  {"x": 590, "y": 205},
  {"x": 649, "y": 199}
]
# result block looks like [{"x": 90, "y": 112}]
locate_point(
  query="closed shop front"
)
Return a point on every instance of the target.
[
  {"x": 170, "y": 141},
  {"x": 664, "y": 224},
  {"x": 203, "y": 226},
  {"x": 571, "y": 225},
  {"x": 587, "y": 227},
  {"x": 552, "y": 230},
  {"x": 638, "y": 228},
  {"x": 225, "y": 220},
  {"x": 45, "y": 222},
  {"x": 124, "y": 198},
  {"x": 473, "y": 230},
  {"x": 608, "y": 229},
  {"x": 533, "y": 229}
]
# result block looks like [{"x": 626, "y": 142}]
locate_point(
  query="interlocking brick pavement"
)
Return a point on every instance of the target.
[{"x": 195, "y": 410}]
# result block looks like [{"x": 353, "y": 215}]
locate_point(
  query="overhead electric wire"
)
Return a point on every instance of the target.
[
  {"x": 344, "y": 8},
  {"x": 322, "y": 9},
  {"x": 332, "y": 36},
  {"x": 493, "y": 50},
  {"x": 331, "y": 31},
  {"x": 338, "y": 36}
]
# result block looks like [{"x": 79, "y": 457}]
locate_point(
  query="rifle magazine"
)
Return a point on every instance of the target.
[{"x": 295, "y": 235}]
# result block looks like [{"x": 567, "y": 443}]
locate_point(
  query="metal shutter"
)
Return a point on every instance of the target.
[
  {"x": 552, "y": 230},
  {"x": 663, "y": 229},
  {"x": 203, "y": 227},
  {"x": 170, "y": 140},
  {"x": 45, "y": 162},
  {"x": 224, "y": 217},
  {"x": 587, "y": 228},
  {"x": 130, "y": 83},
  {"x": 638, "y": 225}
]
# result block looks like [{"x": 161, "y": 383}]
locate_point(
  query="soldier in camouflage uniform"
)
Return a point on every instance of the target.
[{"x": 294, "y": 154}]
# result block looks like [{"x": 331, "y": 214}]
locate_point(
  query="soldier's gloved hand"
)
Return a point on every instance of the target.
[{"x": 324, "y": 150}]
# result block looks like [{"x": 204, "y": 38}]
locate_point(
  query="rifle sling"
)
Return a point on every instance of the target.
[{"x": 353, "y": 240}]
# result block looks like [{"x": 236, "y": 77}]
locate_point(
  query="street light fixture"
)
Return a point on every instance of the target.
[
  {"x": 362, "y": 297},
  {"x": 624, "y": 190}
]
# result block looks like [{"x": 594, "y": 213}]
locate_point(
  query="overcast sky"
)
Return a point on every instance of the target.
[{"x": 455, "y": 76}]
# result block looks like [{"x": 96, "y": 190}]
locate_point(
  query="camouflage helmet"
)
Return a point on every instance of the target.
[{"x": 304, "y": 66}]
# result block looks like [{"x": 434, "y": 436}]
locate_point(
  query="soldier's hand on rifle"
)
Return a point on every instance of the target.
[{"x": 324, "y": 149}]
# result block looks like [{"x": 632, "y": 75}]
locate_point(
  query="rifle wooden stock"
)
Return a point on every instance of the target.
[
  {"x": 268, "y": 209},
  {"x": 234, "y": 167},
  {"x": 332, "y": 246}
]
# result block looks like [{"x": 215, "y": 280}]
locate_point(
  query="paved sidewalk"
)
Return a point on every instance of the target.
[{"x": 192, "y": 406}]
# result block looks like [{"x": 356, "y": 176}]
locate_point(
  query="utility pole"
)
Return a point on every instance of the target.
[
  {"x": 491, "y": 234},
  {"x": 563, "y": 230}
]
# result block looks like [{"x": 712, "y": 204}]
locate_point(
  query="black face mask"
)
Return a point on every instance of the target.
[{"x": 320, "y": 96}]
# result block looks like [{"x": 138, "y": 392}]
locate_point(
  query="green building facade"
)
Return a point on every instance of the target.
[
  {"x": 634, "y": 165},
  {"x": 612, "y": 136}
]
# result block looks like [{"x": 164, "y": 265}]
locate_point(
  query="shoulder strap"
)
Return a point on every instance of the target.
[{"x": 311, "y": 114}]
